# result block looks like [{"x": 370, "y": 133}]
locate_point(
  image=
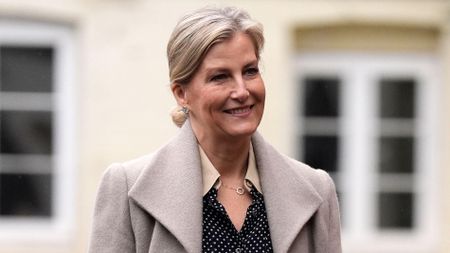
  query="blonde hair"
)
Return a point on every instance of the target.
[{"x": 197, "y": 32}]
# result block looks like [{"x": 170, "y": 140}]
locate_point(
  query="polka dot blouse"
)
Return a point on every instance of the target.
[{"x": 220, "y": 235}]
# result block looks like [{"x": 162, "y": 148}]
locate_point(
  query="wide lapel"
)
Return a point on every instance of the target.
[
  {"x": 170, "y": 189},
  {"x": 289, "y": 198}
]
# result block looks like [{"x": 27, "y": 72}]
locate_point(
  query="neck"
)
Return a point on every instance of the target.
[{"x": 229, "y": 157}]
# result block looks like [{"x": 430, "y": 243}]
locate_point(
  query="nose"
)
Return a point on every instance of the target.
[{"x": 240, "y": 91}]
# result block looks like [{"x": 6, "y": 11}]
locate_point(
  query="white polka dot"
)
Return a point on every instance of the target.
[{"x": 220, "y": 235}]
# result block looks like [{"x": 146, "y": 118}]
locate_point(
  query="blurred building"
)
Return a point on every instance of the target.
[{"x": 358, "y": 88}]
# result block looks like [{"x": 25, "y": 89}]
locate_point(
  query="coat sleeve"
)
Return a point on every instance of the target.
[
  {"x": 327, "y": 228},
  {"x": 334, "y": 228},
  {"x": 112, "y": 230}
]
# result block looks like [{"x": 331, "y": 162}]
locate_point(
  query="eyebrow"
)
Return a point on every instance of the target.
[{"x": 254, "y": 62}]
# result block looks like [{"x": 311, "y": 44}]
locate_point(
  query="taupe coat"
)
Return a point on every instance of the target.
[{"x": 154, "y": 203}]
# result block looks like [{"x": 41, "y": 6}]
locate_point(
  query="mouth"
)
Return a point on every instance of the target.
[{"x": 240, "y": 110}]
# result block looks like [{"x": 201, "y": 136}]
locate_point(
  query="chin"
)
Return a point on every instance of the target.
[{"x": 244, "y": 131}]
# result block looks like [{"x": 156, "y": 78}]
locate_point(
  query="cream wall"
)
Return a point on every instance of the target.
[{"x": 123, "y": 97}]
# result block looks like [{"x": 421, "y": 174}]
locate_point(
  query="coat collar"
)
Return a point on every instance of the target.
[
  {"x": 289, "y": 197},
  {"x": 170, "y": 189}
]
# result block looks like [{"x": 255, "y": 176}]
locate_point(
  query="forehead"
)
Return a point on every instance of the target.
[{"x": 238, "y": 49}]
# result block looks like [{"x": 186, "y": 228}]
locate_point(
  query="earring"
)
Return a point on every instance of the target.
[
  {"x": 185, "y": 110},
  {"x": 179, "y": 115}
]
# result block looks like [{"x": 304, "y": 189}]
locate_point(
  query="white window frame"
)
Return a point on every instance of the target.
[
  {"x": 59, "y": 227},
  {"x": 359, "y": 73}
]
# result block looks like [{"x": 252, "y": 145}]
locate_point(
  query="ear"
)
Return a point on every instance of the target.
[{"x": 179, "y": 92}]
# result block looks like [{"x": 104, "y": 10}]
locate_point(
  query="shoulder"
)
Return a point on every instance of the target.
[
  {"x": 318, "y": 178},
  {"x": 130, "y": 170},
  {"x": 162, "y": 163},
  {"x": 127, "y": 171},
  {"x": 296, "y": 171}
]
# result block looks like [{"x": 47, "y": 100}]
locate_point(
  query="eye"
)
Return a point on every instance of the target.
[
  {"x": 251, "y": 71},
  {"x": 219, "y": 77}
]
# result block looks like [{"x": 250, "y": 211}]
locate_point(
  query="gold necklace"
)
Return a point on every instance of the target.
[{"x": 238, "y": 190}]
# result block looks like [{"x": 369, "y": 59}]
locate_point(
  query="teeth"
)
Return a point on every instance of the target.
[{"x": 240, "y": 110}]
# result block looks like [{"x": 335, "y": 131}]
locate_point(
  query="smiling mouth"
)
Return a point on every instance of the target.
[{"x": 238, "y": 111}]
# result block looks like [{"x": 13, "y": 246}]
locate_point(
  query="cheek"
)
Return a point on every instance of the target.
[
  {"x": 209, "y": 101},
  {"x": 216, "y": 96},
  {"x": 260, "y": 91},
  {"x": 196, "y": 97}
]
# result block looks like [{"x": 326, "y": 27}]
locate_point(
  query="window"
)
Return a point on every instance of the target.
[
  {"x": 25, "y": 131},
  {"x": 320, "y": 118},
  {"x": 369, "y": 120},
  {"x": 396, "y": 146},
  {"x": 36, "y": 132}
]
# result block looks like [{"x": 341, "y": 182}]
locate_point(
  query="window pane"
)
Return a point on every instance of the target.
[
  {"x": 321, "y": 152},
  {"x": 395, "y": 210},
  {"x": 31, "y": 164},
  {"x": 396, "y": 154},
  {"x": 321, "y": 97},
  {"x": 26, "y": 132},
  {"x": 25, "y": 194},
  {"x": 397, "y": 98},
  {"x": 26, "y": 69}
]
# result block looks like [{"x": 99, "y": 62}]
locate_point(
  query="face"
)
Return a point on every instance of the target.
[{"x": 226, "y": 95}]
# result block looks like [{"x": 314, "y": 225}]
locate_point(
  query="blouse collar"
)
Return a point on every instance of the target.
[{"x": 211, "y": 175}]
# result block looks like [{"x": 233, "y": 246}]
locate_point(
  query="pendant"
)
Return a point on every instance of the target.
[{"x": 240, "y": 191}]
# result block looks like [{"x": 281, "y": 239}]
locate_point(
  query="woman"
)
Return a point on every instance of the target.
[{"x": 217, "y": 186}]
